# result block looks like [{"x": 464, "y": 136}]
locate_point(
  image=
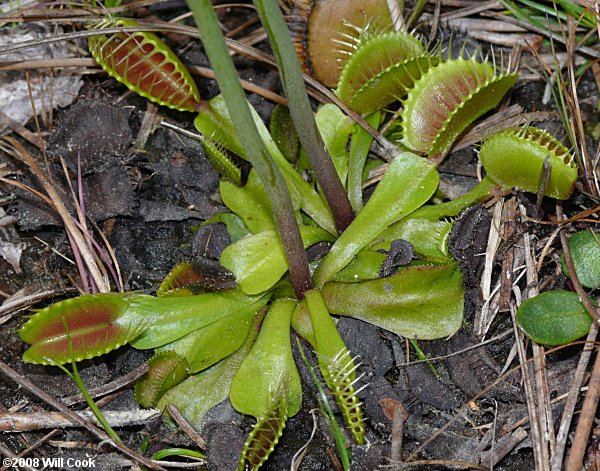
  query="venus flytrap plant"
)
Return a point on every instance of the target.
[{"x": 205, "y": 322}]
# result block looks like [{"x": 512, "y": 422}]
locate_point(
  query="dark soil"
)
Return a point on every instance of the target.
[{"x": 148, "y": 200}]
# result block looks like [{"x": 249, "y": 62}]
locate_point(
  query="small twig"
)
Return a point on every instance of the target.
[
  {"x": 504, "y": 447},
  {"x": 6, "y": 452},
  {"x": 436, "y": 20},
  {"x": 62, "y": 211},
  {"x": 148, "y": 126},
  {"x": 588, "y": 412},
  {"x": 475, "y": 7},
  {"x": 506, "y": 277},
  {"x": 396, "y": 14},
  {"x": 585, "y": 50},
  {"x": 534, "y": 420},
  {"x": 248, "y": 86},
  {"x": 299, "y": 455},
  {"x": 462, "y": 409},
  {"x": 85, "y": 62},
  {"x": 186, "y": 426},
  {"x": 446, "y": 463},
  {"x": 542, "y": 403},
  {"x": 510, "y": 117},
  {"x": 19, "y": 129},
  {"x": 482, "y": 319},
  {"x": 572, "y": 398},
  {"x": 582, "y": 215},
  {"x": 400, "y": 415},
  {"x": 586, "y": 420},
  {"x": 35, "y": 446},
  {"x": 18, "y": 302},
  {"x": 460, "y": 352},
  {"x": 101, "y": 434},
  {"x": 107, "y": 388},
  {"x": 26, "y": 422}
]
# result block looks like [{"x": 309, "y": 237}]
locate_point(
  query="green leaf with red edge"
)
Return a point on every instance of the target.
[{"x": 80, "y": 328}]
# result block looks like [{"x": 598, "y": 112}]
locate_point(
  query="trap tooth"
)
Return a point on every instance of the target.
[
  {"x": 325, "y": 31},
  {"x": 515, "y": 158},
  {"x": 381, "y": 69},
  {"x": 463, "y": 90}
]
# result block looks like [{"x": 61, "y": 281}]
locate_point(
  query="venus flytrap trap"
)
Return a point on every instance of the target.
[
  {"x": 325, "y": 33},
  {"x": 382, "y": 68},
  {"x": 335, "y": 363},
  {"x": 515, "y": 157},
  {"x": 144, "y": 63},
  {"x": 447, "y": 99}
]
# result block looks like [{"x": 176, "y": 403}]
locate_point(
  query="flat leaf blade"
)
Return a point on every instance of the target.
[
  {"x": 211, "y": 386},
  {"x": 554, "y": 318},
  {"x": 423, "y": 302},
  {"x": 268, "y": 367},
  {"x": 408, "y": 183},
  {"x": 171, "y": 318}
]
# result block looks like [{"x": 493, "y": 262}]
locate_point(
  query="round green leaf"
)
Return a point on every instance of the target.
[
  {"x": 554, "y": 318},
  {"x": 585, "y": 251}
]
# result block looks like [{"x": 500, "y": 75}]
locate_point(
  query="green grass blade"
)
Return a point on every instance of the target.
[
  {"x": 301, "y": 111},
  {"x": 269, "y": 173}
]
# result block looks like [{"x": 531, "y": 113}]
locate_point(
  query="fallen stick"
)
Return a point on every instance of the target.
[{"x": 28, "y": 421}]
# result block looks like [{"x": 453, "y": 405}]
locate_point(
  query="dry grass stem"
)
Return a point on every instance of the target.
[
  {"x": 27, "y": 422},
  {"x": 99, "y": 433},
  {"x": 70, "y": 226},
  {"x": 485, "y": 316},
  {"x": 120, "y": 383},
  {"x": 186, "y": 426}
]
